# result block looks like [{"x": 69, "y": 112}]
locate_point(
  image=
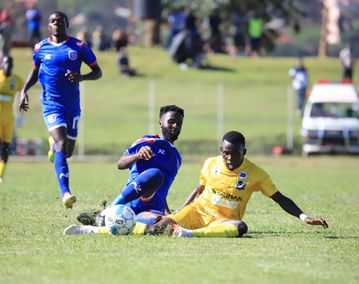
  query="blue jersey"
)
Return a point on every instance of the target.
[
  {"x": 54, "y": 59},
  {"x": 166, "y": 158}
]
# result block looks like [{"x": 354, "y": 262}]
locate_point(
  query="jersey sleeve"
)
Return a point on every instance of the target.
[
  {"x": 203, "y": 176},
  {"x": 36, "y": 55},
  {"x": 133, "y": 149},
  {"x": 266, "y": 185},
  {"x": 87, "y": 55},
  {"x": 142, "y": 141}
]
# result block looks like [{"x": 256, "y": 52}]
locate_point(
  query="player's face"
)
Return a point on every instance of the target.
[
  {"x": 232, "y": 154},
  {"x": 7, "y": 66},
  {"x": 57, "y": 25},
  {"x": 171, "y": 125}
]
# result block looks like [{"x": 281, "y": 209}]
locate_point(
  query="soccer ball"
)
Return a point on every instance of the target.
[{"x": 120, "y": 219}]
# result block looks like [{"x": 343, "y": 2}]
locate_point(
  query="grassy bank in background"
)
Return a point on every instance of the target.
[{"x": 116, "y": 107}]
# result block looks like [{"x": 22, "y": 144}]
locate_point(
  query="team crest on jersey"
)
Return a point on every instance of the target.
[
  {"x": 216, "y": 170},
  {"x": 51, "y": 118},
  {"x": 240, "y": 185},
  {"x": 243, "y": 175},
  {"x": 73, "y": 54}
]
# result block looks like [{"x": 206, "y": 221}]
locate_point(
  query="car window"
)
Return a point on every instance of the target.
[{"x": 334, "y": 110}]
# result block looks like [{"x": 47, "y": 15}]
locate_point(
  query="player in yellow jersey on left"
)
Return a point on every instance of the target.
[{"x": 10, "y": 85}]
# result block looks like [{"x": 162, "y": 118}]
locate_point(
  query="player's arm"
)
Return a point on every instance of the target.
[
  {"x": 127, "y": 160},
  {"x": 30, "y": 81},
  {"x": 290, "y": 207},
  {"x": 197, "y": 191},
  {"x": 94, "y": 74}
]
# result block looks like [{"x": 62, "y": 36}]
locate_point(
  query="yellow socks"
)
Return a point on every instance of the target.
[
  {"x": 217, "y": 231},
  {"x": 103, "y": 231},
  {"x": 139, "y": 229},
  {"x": 2, "y": 168}
]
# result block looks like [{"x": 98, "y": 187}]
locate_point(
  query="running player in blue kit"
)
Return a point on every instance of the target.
[
  {"x": 57, "y": 65},
  {"x": 153, "y": 162}
]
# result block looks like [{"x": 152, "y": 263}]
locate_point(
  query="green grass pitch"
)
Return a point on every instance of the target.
[{"x": 277, "y": 249}]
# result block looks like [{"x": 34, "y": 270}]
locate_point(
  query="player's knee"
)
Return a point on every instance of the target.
[
  {"x": 69, "y": 152},
  {"x": 61, "y": 145},
  {"x": 154, "y": 178},
  {"x": 5, "y": 151},
  {"x": 242, "y": 228}
]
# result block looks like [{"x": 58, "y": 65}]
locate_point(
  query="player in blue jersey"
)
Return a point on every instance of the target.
[
  {"x": 153, "y": 162},
  {"x": 57, "y": 65}
]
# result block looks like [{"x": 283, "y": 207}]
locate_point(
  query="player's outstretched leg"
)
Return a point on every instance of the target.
[
  {"x": 81, "y": 230},
  {"x": 145, "y": 184},
  {"x": 222, "y": 229}
]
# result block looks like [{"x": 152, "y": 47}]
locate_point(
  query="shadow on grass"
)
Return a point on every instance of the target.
[
  {"x": 216, "y": 68},
  {"x": 258, "y": 235}
]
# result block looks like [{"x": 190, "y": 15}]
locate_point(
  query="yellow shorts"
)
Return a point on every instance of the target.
[
  {"x": 6, "y": 129},
  {"x": 194, "y": 216}
]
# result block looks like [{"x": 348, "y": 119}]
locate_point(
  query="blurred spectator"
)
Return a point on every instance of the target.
[
  {"x": 33, "y": 17},
  {"x": 119, "y": 39},
  {"x": 100, "y": 39},
  {"x": 193, "y": 42},
  {"x": 299, "y": 76},
  {"x": 124, "y": 63},
  {"x": 6, "y": 29},
  {"x": 84, "y": 36},
  {"x": 255, "y": 30},
  {"x": 215, "y": 39},
  {"x": 238, "y": 23},
  {"x": 177, "y": 23},
  {"x": 347, "y": 59}
]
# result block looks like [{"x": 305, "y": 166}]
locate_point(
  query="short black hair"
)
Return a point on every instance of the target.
[
  {"x": 235, "y": 137},
  {"x": 174, "y": 108},
  {"x": 62, "y": 16}
]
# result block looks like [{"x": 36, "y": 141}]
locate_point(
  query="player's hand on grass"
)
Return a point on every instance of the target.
[
  {"x": 24, "y": 102},
  {"x": 145, "y": 153},
  {"x": 316, "y": 221},
  {"x": 73, "y": 77}
]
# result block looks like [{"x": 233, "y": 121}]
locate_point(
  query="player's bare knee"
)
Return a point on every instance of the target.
[
  {"x": 5, "y": 151},
  {"x": 69, "y": 152},
  {"x": 61, "y": 145}
]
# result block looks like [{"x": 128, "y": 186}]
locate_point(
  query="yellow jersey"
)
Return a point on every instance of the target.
[
  {"x": 226, "y": 192},
  {"x": 9, "y": 86}
]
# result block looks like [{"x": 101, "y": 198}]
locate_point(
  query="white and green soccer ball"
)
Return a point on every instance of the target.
[{"x": 120, "y": 219}]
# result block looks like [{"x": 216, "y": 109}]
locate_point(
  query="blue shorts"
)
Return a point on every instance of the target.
[{"x": 55, "y": 118}]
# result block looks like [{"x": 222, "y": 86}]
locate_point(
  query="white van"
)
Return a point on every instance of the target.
[{"x": 331, "y": 119}]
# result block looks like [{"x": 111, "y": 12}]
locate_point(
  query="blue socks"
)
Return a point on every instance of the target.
[
  {"x": 147, "y": 182},
  {"x": 62, "y": 171}
]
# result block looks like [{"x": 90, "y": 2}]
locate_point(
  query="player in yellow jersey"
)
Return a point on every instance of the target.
[
  {"x": 216, "y": 207},
  {"x": 10, "y": 85}
]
